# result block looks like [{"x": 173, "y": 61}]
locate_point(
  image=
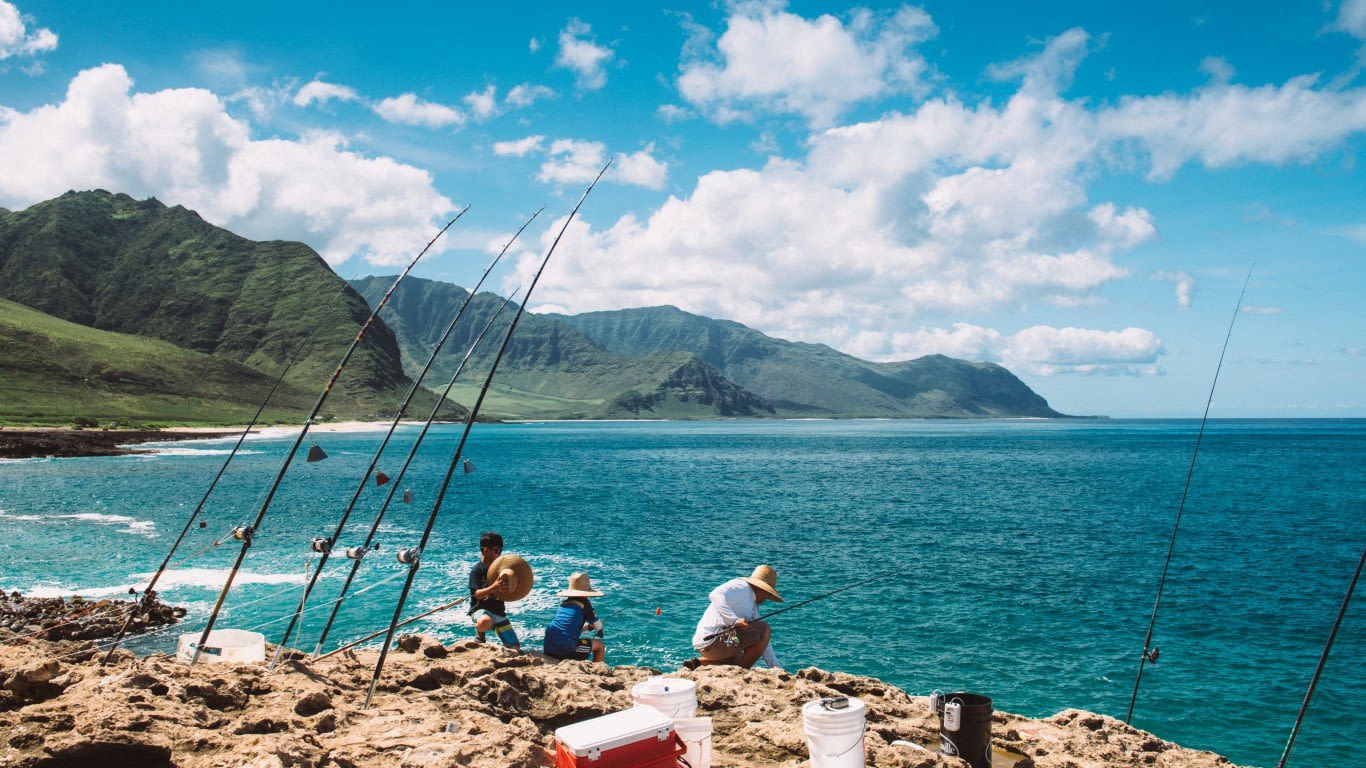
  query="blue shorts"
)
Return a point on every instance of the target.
[
  {"x": 501, "y": 626},
  {"x": 582, "y": 650}
]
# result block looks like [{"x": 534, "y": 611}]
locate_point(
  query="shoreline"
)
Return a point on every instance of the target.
[{"x": 478, "y": 705}]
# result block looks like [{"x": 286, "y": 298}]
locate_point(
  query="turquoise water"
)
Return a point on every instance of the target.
[{"x": 1025, "y": 552}]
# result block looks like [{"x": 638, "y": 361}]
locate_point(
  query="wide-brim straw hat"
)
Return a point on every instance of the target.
[
  {"x": 520, "y": 577},
  {"x": 765, "y": 578},
  {"x": 580, "y": 586}
]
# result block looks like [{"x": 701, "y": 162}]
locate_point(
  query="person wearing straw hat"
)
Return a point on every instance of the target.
[
  {"x": 564, "y": 637},
  {"x": 730, "y": 631}
]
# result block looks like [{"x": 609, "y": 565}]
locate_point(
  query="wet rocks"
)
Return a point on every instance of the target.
[{"x": 26, "y": 619}]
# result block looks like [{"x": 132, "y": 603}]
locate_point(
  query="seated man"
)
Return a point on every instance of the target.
[
  {"x": 487, "y": 611},
  {"x": 564, "y": 637},
  {"x": 730, "y": 631}
]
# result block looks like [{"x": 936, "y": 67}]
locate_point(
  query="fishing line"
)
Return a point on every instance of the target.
[
  {"x": 1323, "y": 660},
  {"x": 360, "y": 552},
  {"x": 808, "y": 601},
  {"x": 246, "y": 533},
  {"x": 1149, "y": 653},
  {"x": 324, "y": 546},
  {"x": 413, "y": 557},
  {"x": 149, "y": 593}
]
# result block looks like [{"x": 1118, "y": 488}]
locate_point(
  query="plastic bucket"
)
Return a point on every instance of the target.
[
  {"x": 673, "y": 696},
  {"x": 696, "y": 735},
  {"x": 834, "y": 732},
  {"x": 225, "y": 646},
  {"x": 971, "y": 740}
]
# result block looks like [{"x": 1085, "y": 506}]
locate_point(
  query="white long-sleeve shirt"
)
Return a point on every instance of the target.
[{"x": 730, "y": 602}]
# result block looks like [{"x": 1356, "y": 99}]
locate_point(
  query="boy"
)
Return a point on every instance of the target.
[
  {"x": 487, "y": 611},
  {"x": 564, "y": 637}
]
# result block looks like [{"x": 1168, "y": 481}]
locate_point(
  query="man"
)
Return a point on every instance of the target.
[
  {"x": 487, "y": 611},
  {"x": 730, "y": 631}
]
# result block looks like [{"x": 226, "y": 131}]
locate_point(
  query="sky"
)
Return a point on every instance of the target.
[{"x": 1074, "y": 190}]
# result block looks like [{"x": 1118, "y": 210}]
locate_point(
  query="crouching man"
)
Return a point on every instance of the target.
[{"x": 730, "y": 631}]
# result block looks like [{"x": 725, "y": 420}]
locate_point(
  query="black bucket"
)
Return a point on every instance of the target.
[{"x": 972, "y": 739}]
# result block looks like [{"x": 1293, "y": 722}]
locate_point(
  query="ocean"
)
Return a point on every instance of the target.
[{"x": 1022, "y": 555}]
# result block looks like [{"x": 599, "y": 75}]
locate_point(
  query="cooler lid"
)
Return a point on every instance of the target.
[
  {"x": 611, "y": 731},
  {"x": 834, "y": 709}
]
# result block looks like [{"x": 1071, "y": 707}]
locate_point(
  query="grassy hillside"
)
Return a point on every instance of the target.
[
  {"x": 117, "y": 264},
  {"x": 551, "y": 370},
  {"x": 53, "y": 371},
  {"x": 813, "y": 379}
]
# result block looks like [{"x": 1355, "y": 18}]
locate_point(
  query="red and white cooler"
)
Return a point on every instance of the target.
[{"x": 640, "y": 737}]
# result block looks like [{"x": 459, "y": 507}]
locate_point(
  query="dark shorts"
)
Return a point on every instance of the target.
[
  {"x": 582, "y": 651},
  {"x": 721, "y": 650}
]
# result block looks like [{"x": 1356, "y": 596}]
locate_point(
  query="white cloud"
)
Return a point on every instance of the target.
[
  {"x": 947, "y": 209},
  {"x": 772, "y": 60},
  {"x": 483, "y": 104},
  {"x": 526, "y": 94},
  {"x": 1223, "y": 125},
  {"x": 573, "y": 161},
  {"x": 519, "y": 147},
  {"x": 182, "y": 146},
  {"x": 1047, "y": 351},
  {"x": 16, "y": 39},
  {"x": 534, "y": 45},
  {"x": 1250, "y": 309},
  {"x": 581, "y": 53},
  {"x": 319, "y": 92},
  {"x": 672, "y": 113},
  {"x": 408, "y": 109},
  {"x": 1185, "y": 286},
  {"x": 1040, "y": 350},
  {"x": 1352, "y": 18}
]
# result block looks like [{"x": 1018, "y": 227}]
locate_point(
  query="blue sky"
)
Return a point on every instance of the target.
[{"x": 1075, "y": 190}]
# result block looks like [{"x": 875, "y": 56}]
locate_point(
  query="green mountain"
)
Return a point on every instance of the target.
[
  {"x": 114, "y": 263},
  {"x": 52, "y": 370},
  {"x": 803, "y": 379},
  {"x": 118, "y": 264},
  {"x": 551, "y": 370}
]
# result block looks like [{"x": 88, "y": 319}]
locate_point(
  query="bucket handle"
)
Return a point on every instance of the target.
[{"x": 842, "y": 753}]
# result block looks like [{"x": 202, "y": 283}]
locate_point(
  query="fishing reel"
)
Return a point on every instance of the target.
[
  {"x": 409, "y": 556},
  {"x": 1152, "y": 655},
  {"x": 355, "y": 553},
  {"x": 321, "y": 544},
  {"x": 243, "y": 533}
]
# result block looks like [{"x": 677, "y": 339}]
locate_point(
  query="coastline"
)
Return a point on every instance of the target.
[{"x": 477, "y": 705}]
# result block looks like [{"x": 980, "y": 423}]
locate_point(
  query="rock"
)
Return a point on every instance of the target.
[{"x": 479, "y": 706}]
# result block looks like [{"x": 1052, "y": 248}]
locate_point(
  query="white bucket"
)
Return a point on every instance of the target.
[
  {"x": 834, "y": 732},
  {"x": 673, "y": 696},
  {"x": 696, "y": 735},
  {"x": 225, "y": 646}
]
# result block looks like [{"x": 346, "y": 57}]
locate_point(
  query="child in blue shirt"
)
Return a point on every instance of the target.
[{"x": 564, "y": 637}]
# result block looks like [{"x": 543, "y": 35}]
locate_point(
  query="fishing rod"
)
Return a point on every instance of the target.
[
  {"x": 1323, "y": 660},
  {"x": 323, "y": 546},
  {"x": 245, "y": 533},
  {"x": 1150, "y": 654},
  {"x": 785, "y": 609},
  {"x": 149, "y": 593},
  {"x": 357, "y": 554},
  {"x": 413, "y": 557},
  {"x": 403, "y": 623}
]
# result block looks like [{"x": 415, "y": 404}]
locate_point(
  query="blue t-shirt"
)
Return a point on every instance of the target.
[{"x": 562, "y": 636}]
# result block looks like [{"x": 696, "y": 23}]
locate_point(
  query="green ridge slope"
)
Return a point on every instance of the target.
[
  {"x": 117, "y": 264},
  {"x": 551, "y": 370},
  {"x": 54, "y": 371},
  {"x": 803, "y": 379}
]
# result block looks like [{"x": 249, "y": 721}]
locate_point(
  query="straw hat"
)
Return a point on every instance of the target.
[
  {"x": 520, "y": 578},
  {"x": 580, "y": 586},
  {"x": 765, "y": 578}
]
